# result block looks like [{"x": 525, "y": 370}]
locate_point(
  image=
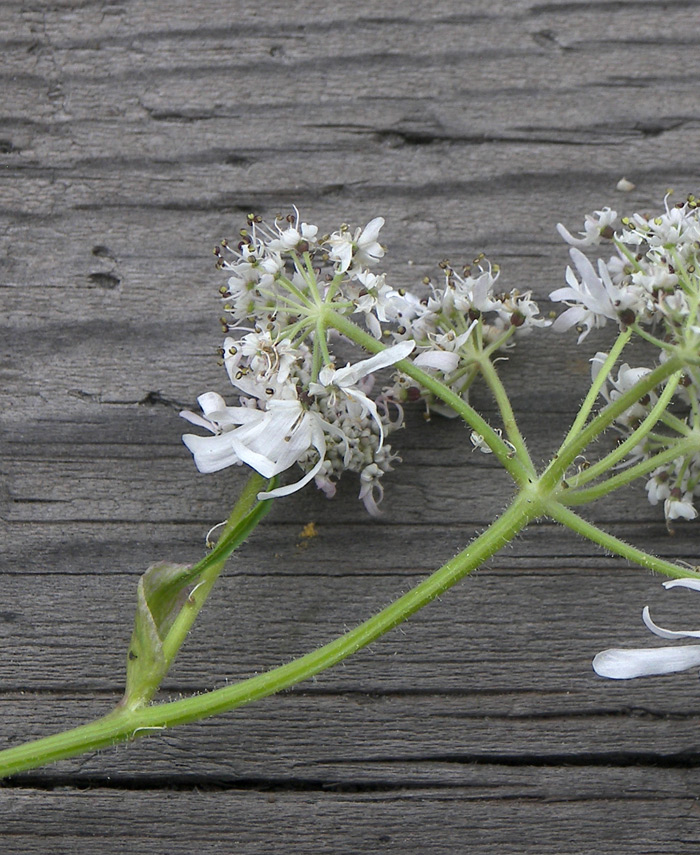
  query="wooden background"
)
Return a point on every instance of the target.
[{"x": 134, "y": 135}]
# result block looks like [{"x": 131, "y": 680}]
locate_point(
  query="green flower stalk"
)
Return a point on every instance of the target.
[{"x": 301, "y": 416}]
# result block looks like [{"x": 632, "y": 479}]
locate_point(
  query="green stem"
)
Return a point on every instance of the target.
[
  {"x": 652, "y": 339},
  {"x": 310, "y": 278},
  {"x": 509, "y": 423},
  {"x": 639, "y": 470},
  {"x": 597, "y": 385},
  {"x": 292, "y": 288},
  {"x": 122, "y": 724},
  {"x": 613, "y": 544},
  {"x": 633, "y": 440},
  {"x": 498, "y": 343},
  {"x": 675, "y": 424},
  {"x": 238, "y": 527},
  {"x": 571, "y": 449},
  {"x": 142, "y": 683}
]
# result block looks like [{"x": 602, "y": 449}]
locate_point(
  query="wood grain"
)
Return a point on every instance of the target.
[{"x": 133, "y": 136}]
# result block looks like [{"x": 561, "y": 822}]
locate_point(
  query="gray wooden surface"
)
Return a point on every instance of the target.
[{"x": 133, "y": 136}]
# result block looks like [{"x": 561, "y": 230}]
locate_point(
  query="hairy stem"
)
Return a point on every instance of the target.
[
  {"x": 571, "y": 449},
  {"x": 680, "y": 448},
  {"x": 491, "y": 377},
  {"x": 234, "y": 532},
  {"x": 613, "y": 544},
  {"x": 633, "y": 440},
  {"x": 597, "y": 384},
  {"x": 122, "y": 724}
]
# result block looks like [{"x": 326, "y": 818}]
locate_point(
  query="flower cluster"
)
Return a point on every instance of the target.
[
  {"x": 457, "y": 325},
  {"x": 285, "y": 417},
  {"x": 652, "y": 284},
  {"x": 274, "y": 270},
  {"x": 652, "y": 279},
  {"x": 294, "y": 405},
  {"x": 288, "y": 286}
]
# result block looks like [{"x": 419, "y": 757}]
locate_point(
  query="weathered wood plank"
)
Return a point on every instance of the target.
[
  {"x": 134, "y": 135},
  {"x": 395, "y": 822}
]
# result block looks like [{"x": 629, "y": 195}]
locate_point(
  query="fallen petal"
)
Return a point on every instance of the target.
[
  {"x": 667, "y": 633},
  {"x": 619, "y": 664}
]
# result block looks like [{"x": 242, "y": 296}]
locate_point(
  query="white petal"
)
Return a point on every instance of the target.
[
  {"x": 319, "y": 444},
  {"x": 278, "y": 492},
  {"x": 560, "y": 294},
  {"x": 195, "y": 419},
  {"x": 569, "y": 318},
  {"x": 666, "y": 633},
  {"x": 642, "y": 662},
  {"x": 371, "y": 231},
  {"x": 597, "y": 363},
  {"x": 568, "y": 237},
  {"x": 349, "y": 375},
  {"x": 211, "y": 453},
  {"x": 266, "y": 466},
  {"x": 588, "y": 275},
  {"x": 686, "y": 582},
  {"x": 210, "y": 402},
  {"x": 443, "y": 360},
  {"x": 373, "y": 325},
  {"x": 277, "y": 442},
  {"x": 369, "y": 405}
]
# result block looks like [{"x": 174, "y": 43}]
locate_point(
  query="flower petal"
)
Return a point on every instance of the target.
[
  {"x": 349, "y": 375},
  {"x": 442, "y": 360},
  {"x": 199, "y": 421},
  {"x": 666, "y": 633},
  {"x": 319, "y": 444},
  {"x": 371, "y": 231},
  {"x": 368, "y": 405},
  {"x": 569, "y": 318},
  {"x": 211, "y": 453},
  {"x": 619, "y": 664},
  {"x": 686, "y": 582},
  {"x": 210, "y": 402}
]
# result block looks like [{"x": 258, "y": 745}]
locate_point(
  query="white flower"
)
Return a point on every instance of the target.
[
  {"x": 473, "y": 294},
  {"x": 591, "y": 301},
  {"x": 273, "y": 439},
  {"x": 212, "y": 453},
  {"x": 359, "y": 249},
  {"x": 658, "y": 489},
  {"x": 299, "y": 237},
  {"x": 283, "y": 437},
  {"x": 679, "y": 506},
  {"x": 627, "y": 378},
  {"x": 373, "y": 300},
  {"x": 270, "y": 441},
  {"x": 596, "y": 226},
  {"x": 344, "y": 380},
  {"x": 261, "y": 366},
  {"x": 444, "y": 351},
  {"x": 620, "y": 664}
]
